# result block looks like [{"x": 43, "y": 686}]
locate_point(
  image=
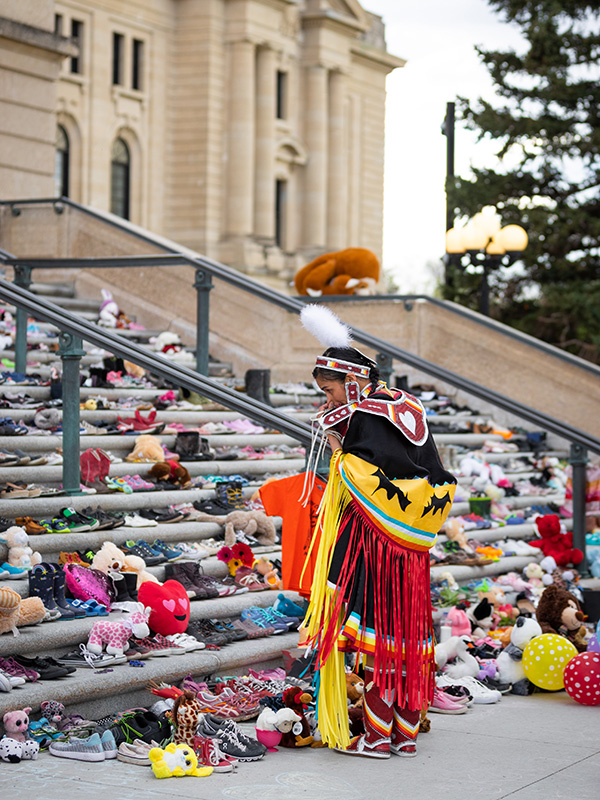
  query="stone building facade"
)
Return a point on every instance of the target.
[{"x": 249, "y": 130}]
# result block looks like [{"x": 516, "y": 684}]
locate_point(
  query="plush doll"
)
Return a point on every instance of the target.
[
  {"x": 481, "y": 617},
  {"x": 355, "y": 689},
  {"x": 251, "y": 523},
  {"x": 16, "y": 745},
  {"x": 510, "y": 660},
  {"x": 495, "y": 595},
  {"x": 116, "y": 635},
  {"x": 19, "y": 552},
  {"x": 300, "y": 735},
  {"x": 186, "y": 714},
  {"x": 53, "y": 711},
  {"x": 109, "y": 310},
  {"x": 354, "y": 270},
  {"x": 455, "y": 531},
  {"x": 176, "y": 761},
  {"x": 534, "y": 574},
  {"x": 282, "y": 720},
  {"x": 171, "y": 472},
  {"x": 147, "y": 448},
  {"x": 16, "y": 611},
  {"x": 555, "y": 543},
  {"x": 170, "y": 606},
  {"x": 559, "y": 612},
  {"x": 459, "y": 621},
  {"x": 269, "y": 574},
  {"x": 110, "y": 559}
]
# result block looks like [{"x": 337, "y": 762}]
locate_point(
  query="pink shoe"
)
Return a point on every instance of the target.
[{"x": 442, "y": 704}]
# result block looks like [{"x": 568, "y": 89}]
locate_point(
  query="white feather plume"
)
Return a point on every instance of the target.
[{"x": 323, "y": 324}]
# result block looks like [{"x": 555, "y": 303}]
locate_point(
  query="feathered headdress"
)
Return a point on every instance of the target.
[{"x": 323, "y": 324}]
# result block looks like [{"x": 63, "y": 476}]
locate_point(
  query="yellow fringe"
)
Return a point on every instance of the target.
[{"x": 332, "y": 705}]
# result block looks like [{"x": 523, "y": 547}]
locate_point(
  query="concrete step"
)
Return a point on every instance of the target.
[
  {"x": 96, "y": 694},
  {"x": 187, "y": 416},
  {"x": 56, "y": 290},
  {"x": 463, "y": 574}
]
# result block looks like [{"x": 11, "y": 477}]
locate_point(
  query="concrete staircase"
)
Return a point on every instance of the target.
[{"x": 96, "y": 694}]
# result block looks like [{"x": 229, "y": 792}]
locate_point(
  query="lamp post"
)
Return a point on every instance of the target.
[{"x": 487, "y": 245}]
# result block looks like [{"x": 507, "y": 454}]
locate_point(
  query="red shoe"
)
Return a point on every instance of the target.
[
  {"x": 359, "y": 747},
  {"x": 405, "y": 749}
]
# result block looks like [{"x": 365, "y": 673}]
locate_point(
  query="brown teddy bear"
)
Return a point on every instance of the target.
[
  {"x": 171, "y": 472},
  {"x": 559, "y": 612},
  {"x": 354, "y": 270}
]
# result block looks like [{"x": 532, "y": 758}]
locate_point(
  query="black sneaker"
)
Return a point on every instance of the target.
[
  {"x": 202, "y": 630},
  {"x": 213, "y": 507},
  {"x": 163, "y": 516},
  {"x": 84, "y": 658},
  {"x": 144, "y": 725},
  {"x": 232, "y": 742},
  {"x": 78, "y": 523},
  {"x": 105, "y": 521},
  {"x": 45, "y": 667}
]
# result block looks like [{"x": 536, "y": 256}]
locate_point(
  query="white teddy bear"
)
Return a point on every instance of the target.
[{"x": 19, "y": 552}]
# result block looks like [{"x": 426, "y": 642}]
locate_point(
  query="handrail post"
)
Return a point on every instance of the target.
[
  {"x": 202, "y": 284},
  {"x": 385, "y": 363},
  {"x": 70, "y": 351},
  {"x": 23, "y": 280},
  {"x": 578, "y": 461}
]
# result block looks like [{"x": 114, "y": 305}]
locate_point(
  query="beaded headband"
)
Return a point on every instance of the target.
[{"x": 343, "y": 366}]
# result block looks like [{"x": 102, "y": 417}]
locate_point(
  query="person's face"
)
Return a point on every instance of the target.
[{"x": 335, "y": 391}]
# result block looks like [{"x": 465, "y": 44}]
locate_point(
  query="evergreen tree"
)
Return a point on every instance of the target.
[{"x": 547, "y": 126}]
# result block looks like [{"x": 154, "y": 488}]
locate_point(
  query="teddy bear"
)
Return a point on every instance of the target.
[
  {"x": 355, "y": 688},
  {"x": 354, "y": 270},
  {"x": 148, "y": 448},
  {"x": 110, "y": 559},
  {"x": 299, "y": 735},
  {"x": 16, "y": 611},
  {"x": 19, "y": 552},
  {"x": 170, "y": 472},
  {"x": 559, "y": 612},
  {"x": 555, "y": 543},
  {"x": 510, "y": 660},
  {"x": 251, "y": 523},
  {"x": 15, "y": 745}
]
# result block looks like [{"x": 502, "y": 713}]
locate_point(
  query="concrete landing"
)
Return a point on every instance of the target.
[{"x": 524, "y": 748}]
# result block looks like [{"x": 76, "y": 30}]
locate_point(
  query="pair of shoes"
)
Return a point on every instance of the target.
[
  {"x": 94, "y": 748},
  {"x": 479, "y": 692},
  {"x": 78, "y": 522},
  {"x": 228, "y": 497},
  {"x": 136, "y": 752},
  {"x": 47, "y": 668},
  {"x": 47, "y": 581},
  {"x": 443, "y": 703},
  {"x": 143, "y": 550},
  {"x": 162, "y": 516},
  {"x": 29, "y": 525},
  {"x": 9, "y": 681},
  {"x": 204, "y": 631},
  {"x": 85, "y": 658},
  {"x": 8, "y": 572},
  {"x": 210, "y": 755},
  {"x": 360, "y": 747},
  {"x": 139, "y": 724},
  {"x": 232, "y": 742}
]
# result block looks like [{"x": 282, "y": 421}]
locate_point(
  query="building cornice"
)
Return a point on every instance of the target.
[
  {"x": 376, "y": 57},
  {"x": 37, "y": 37},
  {"x": 329, "y": 18}
]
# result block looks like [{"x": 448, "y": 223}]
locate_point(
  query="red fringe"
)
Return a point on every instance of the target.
[{"x": 402, "y": 608}]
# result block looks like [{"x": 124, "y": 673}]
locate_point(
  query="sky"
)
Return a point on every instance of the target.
[{"x": 437, "y": 38}]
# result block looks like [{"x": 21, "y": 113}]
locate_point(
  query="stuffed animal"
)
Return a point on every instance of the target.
[
  {"x": 459, "y": 621},
  {"x": 19, "y": 552},
  {"x": 251, "y": 523},
  {"x": 510, "y": 660},
  {"x": 16, "y": 745},
  {"x": 170, "y": 606},
  {"x": 354, "y": 270},
  {"x": 282, "y": 720},
  {"x": 186, "y": 714},
  {"x": 555, "y": 543},
  {"x": 455, "y": 531},
  {"x": 109, "y": 310},
  {"x": 170, "y": 472},
  {"x": 109, "y": 559},
  {"x": 559, "y": 612},
  {"x": 494, "y": 594},
  {"x": 176, "y": 761},
  {"x": 16, "y": 724},
  {"x": 555, "y": 574},
  {"x": 465, "y": 664},
  {"x": 300, "y": 735},
  {"x": 147, "y": 448},
  {"x": 52, "y": 710},
  {"x": 534, "y": 574},
  {"x": 481, "y": 617},
  {"x": 16, "y": 611},
  {"x": 115, "y": 635},
  {"x": 269, "y": 574},
  {"x": 355, "y": 689}
]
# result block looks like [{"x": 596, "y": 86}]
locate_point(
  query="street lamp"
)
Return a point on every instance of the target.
[{"x": 487, "y": 245}]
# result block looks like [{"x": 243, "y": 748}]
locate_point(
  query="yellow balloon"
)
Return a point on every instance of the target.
[{"x": 545, "y": 659}]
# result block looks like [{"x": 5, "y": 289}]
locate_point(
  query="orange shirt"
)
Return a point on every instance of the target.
[{"x": 281, "y": 498}]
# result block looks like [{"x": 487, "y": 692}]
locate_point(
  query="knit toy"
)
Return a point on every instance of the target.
[
  {"x": 555, "y": 543},
  {"x": 19, "y": 552},
  {"x": 116, "y": 635},
  {"x": 300, "y": 735},
  {"x": 176, "y": 761}
]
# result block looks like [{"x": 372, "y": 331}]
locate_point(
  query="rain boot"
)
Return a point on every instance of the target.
[{"x": 66, "y": 612}]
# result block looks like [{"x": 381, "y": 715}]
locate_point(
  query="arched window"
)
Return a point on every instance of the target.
[
  {"x": 61, "y": 163},
  {"x": 120, "y": 174}
]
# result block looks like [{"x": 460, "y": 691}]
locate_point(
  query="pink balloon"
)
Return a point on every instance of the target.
[
  {"x": 593, "y": 645},
  {"x": 582, "y": 678}
]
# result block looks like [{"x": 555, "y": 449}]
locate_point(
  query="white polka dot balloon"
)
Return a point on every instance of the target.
[
  {"x": 545, "y": 659},
  {"x": 582, "y": 679}
]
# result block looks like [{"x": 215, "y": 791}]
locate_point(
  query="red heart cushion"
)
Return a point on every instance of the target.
[{"x": 170, "y": 606}]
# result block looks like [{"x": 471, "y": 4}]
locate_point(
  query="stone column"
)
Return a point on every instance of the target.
[
  {"x": 240, "y": 172},
  {"x": 315, "y": 178},
  {"x": 266, "y": 109},
  {"x": 337, "y": 177}
]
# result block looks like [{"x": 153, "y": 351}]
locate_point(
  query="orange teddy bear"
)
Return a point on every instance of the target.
[{"x": 351, "y": 271}]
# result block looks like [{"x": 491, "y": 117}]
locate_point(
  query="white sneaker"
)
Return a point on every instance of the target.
[
  {"x": 192, "y": 552},
  {"x": 186, "y": 641},
  {"x": 135, "y": 521},
  {"x": 479, "y": 692}
]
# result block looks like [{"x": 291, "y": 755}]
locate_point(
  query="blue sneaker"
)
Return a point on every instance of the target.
[
  {"x": 263, "y": 620},
  {"x": 170, "y": 553},
  {"x": 109, "y": 746},
  {"x": 7, "y": 571},
  {"x": 90, "y": 749}
]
